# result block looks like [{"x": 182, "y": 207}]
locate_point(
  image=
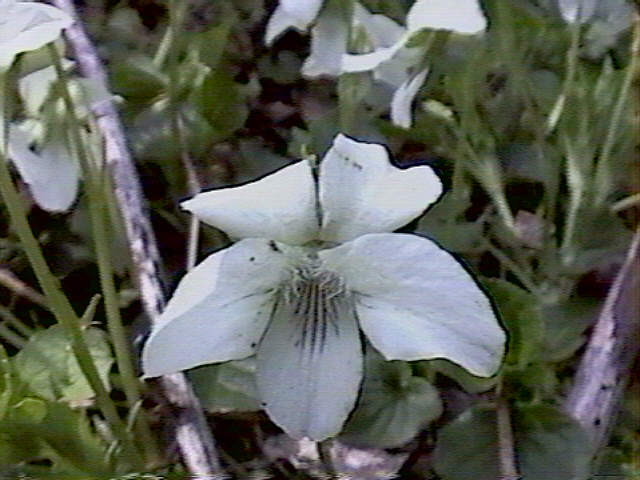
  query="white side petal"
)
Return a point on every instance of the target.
[
  {"x": 368, "y": 61},
  {"x": 219, "y": 310},
  {"x": 279, "y": 22},
  {"x": 52, "y": 174},
  {"x": 362, "y": 192},
  {"x": 329, "y": 38},
  {"x": 403, "y": 99},
  {"x": 415, "y": 301},
  {"x": 280, "y": 206},
  {"x": 462, "y": 16},
  {"x": 310, "y": 369}
]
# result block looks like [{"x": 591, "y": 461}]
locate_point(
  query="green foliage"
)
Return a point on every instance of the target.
[
  {"x": 532, "y": 124},
  {"x": 393, "y": 407},
  {"x": 227, "y": 387},
  {"x": 49, "y": 368},
  {"x": 548, "y": 444}
]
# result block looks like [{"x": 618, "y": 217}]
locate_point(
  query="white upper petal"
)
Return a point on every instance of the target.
[
  {"x": 362, "y": 192},
  {"x": 403, "y": 99},
  {"x": 462, "y": 16},
  {"x": 296, "y": 14},
  {"x": 329, "y": 38},
  {"x": 303, "y": 10},
  {"x": 381, "y": 30},
  {"x": 280, "y": 206},
  {"x": 52, "y": 174},
  {"x": 219, "y": 310},
  {"x": 310, "y": 366},
  {"x": 415, "y": 301}
]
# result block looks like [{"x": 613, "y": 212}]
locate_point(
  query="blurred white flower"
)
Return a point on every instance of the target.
[
  {"x": 463, "y": 16},
  {"x": 26, "y": 26},
  {"x": 314, "y": 267},
  {"x": 577, "y": 10}
]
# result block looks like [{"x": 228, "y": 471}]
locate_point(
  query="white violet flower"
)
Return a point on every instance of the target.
[
  {"x": 313, "y": 268},
  {"x": 26, "y": 26}
]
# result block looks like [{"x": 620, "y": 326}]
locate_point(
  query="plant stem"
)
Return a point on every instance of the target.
[
  {"x": 175, "y": 26},
  {"x": 15, "y": 322},
  {"x": 603, "y": 168},
  {"x": 98, "y": 211},
  {"x": 506, "y": 449},
  {"x": 17, "y": 286},
  {"x": 572, "y": 62},
  {"x": 11, "y": 337},
  {"x": 59, "y": 304}
]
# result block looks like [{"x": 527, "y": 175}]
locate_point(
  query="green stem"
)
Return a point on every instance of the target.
[
  {"x": 603, "y": 168},
  {"x": 11, "y": 337},
  {"x": 9, "y": 318},
  {"x": 572, "y": 62},
  {"x": 59, "y": 303},
  {"x": 177, "y": 11},
  {"x": 98, "y": 211}
]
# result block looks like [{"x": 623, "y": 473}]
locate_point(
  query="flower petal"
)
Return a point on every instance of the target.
[
  {"x": 219, "y": 310},
  {"x": 368, "y": 61},
  {"x": 52, "y": 174},
  {"x": 465, "y": 16},
  {"x": 310, "y": 366},
  {"x": 280, "y": 206},
  {"x": 362, "y": 192},
  {"x": 329, "y": 38},
  {"x": 403, "y": 99},
  {"x": 415, "y": 301},
  {"x": 26, "y": 26},
  {"x": 291, "y": 14}
]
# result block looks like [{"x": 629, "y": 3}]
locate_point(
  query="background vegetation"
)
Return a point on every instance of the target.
[{"x": 533, "y": 128}]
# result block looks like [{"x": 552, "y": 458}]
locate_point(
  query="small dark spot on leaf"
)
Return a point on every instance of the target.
[
  {"x": 252, "y": 259},
  {"x": 263, "y": 404},
  {"x": 253, "y": 344},
  {"x": 273, "y": 246},
  {"x": 596, "y": 422}
]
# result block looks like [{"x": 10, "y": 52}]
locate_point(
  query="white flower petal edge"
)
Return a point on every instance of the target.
[
  {"x": 280, "y": 206},
  {"x": 310, "y": 364},
  {"x": 26, "y": 26},
  {"x": 328, "y": 43},
  {"x": 220, "y": 309},
  {"x": 577, "y": 10},
  {"x": 415, "y": 301},
  {"x": 297, "y": 14},
  {"x": 462, "y": 16},
  {"x": 52, "y": 174},
  {"x": 403, "y": 99},
  {"x": 362, "y": 192}
]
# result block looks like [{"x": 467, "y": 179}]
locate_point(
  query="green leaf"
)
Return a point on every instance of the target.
[
  {"x": 565, "y": 325},
  {"x": 49, "y": 368},
  {"x": 548, "y": 444},
  {"x": 394, "y": 406},
  {"x": 222, "y": 102},
  {"x": 467, "y": 447},
  {"x": 227, "y": 387},
  {"x": 520, "y": 312},
  {"x": 468, "y": 382}
]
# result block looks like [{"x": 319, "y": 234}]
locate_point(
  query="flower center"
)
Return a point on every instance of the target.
[{"x": 315, "y": 299}]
